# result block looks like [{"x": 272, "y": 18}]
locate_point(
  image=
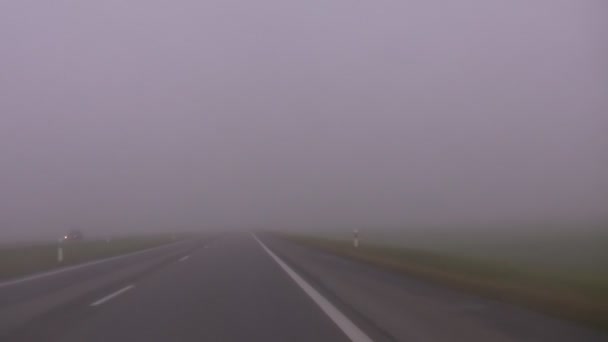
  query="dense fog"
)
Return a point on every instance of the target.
[{"x": 156, "y": 115}]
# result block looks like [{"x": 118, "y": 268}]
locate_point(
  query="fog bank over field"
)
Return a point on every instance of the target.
[{"x": 154, "y": 115}]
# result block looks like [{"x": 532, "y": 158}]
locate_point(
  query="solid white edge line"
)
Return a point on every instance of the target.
[
  {"x": 113, "y": 295},
  {"x": 83, "y": 265},
  {"x": 184, "y": 258},
  {"x": 346, "y": 325}
]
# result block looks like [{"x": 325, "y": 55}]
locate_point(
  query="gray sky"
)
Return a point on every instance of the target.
[{"x": 150, "y": 114}]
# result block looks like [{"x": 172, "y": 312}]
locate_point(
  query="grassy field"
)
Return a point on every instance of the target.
[
  {"x": 22, "y": 260},
  {"x": 579, "y": 294},
  {"x": 565, "y": 249}
]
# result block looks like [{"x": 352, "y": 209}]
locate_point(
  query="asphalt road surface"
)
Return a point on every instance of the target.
[{"x": 237, "y": 288}]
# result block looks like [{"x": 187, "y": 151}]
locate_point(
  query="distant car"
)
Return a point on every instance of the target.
[{"x": 73, "y": 235}]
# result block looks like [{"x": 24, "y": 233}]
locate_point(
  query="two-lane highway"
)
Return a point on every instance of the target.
[
  {"x": 234, "y": 290},
  {"x": 243, "y": 287}
]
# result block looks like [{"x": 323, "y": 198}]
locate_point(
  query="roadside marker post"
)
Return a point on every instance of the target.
[
  {"x": 60, "y": 251},
  {"x": 356, "y": 238}
]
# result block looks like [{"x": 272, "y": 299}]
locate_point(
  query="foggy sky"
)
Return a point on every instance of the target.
[{"x": 180, "y": 114}]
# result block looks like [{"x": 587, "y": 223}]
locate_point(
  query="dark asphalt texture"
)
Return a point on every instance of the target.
[{"x": 228, "y": 290}]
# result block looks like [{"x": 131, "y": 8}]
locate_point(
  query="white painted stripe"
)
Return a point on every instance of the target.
[
  {"x": 83, "y": 265},
  {"x": 346, "y": 325},
  {"x": 113, "y": 295},
  {"x": 184, "y": 258}
]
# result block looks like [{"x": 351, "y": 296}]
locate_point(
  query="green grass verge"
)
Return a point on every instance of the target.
[
  {"x": 576, "y": 296},
  {"x": 23, "y": 260}
]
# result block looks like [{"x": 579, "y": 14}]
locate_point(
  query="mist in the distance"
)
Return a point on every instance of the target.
[{"x": 182, "y": 115}]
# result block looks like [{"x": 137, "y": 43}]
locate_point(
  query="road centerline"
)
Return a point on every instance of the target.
[
  {"x": 184, "y": 258},
  {"x": 113, "y": 295},
  {"x": 344, "y": 323}
]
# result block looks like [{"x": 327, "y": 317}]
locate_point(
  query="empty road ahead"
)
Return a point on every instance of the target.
[{"x": 238, "y": 288}]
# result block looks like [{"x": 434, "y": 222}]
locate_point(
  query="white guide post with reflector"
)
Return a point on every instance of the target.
[{"x": 60, "y": 251}]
